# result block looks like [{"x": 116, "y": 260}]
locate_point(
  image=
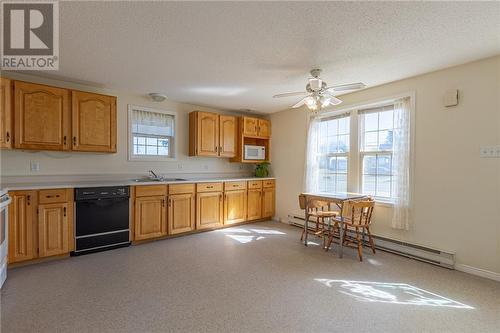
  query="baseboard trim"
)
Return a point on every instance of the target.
[{"x": 478, "y": 271}]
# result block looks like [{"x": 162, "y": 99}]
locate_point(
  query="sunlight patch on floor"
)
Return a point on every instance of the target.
[
  {"x": 244, "y": 236},
  {"x": 394, "y": 293}
]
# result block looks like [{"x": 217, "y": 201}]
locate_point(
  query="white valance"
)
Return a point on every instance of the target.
[{"x": 152, "y": 123}]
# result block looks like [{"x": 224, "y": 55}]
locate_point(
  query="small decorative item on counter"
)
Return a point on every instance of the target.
[{"x": 262, "y": 169}]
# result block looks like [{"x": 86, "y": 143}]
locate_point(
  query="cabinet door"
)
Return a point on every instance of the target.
[
  {"x": 94, "y": 122},
  {"x": 207, "y": 134},
  {"x": 22, "y": 222},
  {"x": 53, "y": 229},
  {"x": 264, "y": 128},
  {"x": 235, "y": 206},
  {"x": 250, "y": 126},
  {"x": 181, "y": 213},
  {"x": 42, "y": 117},
  {"x": 209, "y": 210},
  {"x": 268, "y": 202},
  {"x": 254, "y": 206},
  {"x": 5, "y": 113},
  {"x": 227, "y": 126},
  {"x": 150, "y": 217}
]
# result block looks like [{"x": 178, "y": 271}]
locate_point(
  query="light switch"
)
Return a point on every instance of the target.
[{"x": 490, "y": 151}]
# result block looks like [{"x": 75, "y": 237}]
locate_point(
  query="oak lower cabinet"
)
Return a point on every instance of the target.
[
  {"x": 53, "y": 229},
  {"x": 235, "y": 202},
  {"x": 254, "y": 200},
  {"x": 181, "y": 208},
  {"x": 93, "y": 122},
  {"x": 22, "y": 226},
  {"x": 268, "y": 198},
  {"x": 150, "y": 217},
  {"x": 42, "y": 117},
  {"x": 6, "y": 113},
  {"x": 209, "y": 206},
  {"x": 40, "y": 224}
]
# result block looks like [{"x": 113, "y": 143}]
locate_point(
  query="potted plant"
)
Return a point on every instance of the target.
[{"x": 262, "y": 169}]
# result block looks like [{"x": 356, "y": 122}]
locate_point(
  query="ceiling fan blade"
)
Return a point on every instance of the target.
[
  {"x": 300, "y": 103},
  {"x": 332, "y": 100},
  {"x": 349, "y": 86},
  {"x": 290, "y": 94}
]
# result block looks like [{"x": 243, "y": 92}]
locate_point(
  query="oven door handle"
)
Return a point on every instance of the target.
[{"x": 5, "y": 201}]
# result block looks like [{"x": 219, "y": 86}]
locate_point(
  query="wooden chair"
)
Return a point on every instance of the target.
[
  {"x": 357, "y": 221},
  {"x": 319, "y": 210}
]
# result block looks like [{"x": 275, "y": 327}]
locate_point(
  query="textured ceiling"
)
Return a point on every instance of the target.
[{"x": 236, "y": 55}]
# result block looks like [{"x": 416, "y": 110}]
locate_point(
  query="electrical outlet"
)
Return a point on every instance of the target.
[
  {"x": 490, "y": 151},
  {"x": 34, "y": 166},
  {"x": 180, "y": 166}
]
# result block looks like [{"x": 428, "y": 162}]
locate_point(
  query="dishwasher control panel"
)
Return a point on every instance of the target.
[{"x": 93, "y": 193}]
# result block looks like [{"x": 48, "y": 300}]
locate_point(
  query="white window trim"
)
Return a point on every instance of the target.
[
  {"x": 136, "y": 158},
  {"x": 354, "y": 172}
]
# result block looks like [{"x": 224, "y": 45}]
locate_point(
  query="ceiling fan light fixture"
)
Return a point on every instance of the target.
[{"x": 157, "y": 97}]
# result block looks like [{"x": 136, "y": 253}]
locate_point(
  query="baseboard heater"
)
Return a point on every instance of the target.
[{"x": 409, "y": 250}]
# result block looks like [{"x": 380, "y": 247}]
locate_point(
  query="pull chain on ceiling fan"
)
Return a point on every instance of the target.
[{"x": 318, "y": 95}]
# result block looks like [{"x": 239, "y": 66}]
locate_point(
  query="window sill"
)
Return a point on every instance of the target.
[
  {"x": 384, "y": 203},
  {"x": 151, "y": 159}
]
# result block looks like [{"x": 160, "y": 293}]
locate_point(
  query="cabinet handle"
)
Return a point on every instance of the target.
[
  {"x": 64, "y": 140},
  {"x": 29, "y": 200},
  {"x": 163, "y": 202},
  {"x": 169, "y": 202},
  {"x": 64, "y": 211},
  {"x": 74, "y": 141},
  {"x": 7, "y": 137},
  {"x": 210, "y": 187}
]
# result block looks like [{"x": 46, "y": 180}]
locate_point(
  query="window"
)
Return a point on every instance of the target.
[
  {"x": 358, "y": 152},
  {"x": 333, "y": 150},
  {"x": 376, "y": 149},
  {"x": 151, "y": 135}
]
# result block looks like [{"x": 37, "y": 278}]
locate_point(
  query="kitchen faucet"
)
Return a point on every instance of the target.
[{"x": 153, "y": 174}]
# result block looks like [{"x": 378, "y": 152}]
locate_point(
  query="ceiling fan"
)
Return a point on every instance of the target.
[{"x": 318, "y": 95}]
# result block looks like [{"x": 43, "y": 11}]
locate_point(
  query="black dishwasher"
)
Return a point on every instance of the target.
[{"x": 102, "y": 219}]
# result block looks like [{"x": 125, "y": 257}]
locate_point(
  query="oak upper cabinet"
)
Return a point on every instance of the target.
[
  {"x": 264, "y": 128},
  {"x": 268, "y": 198},
  {"x": 181, "y": 208},
  {"x": 203, "y": 134},
  {"x": 93, "y": 122},
  {"x": 228, "y": 127},
  {"x": 254, "y": 200},
  {"x": 6, "y": 113},
  {"x": 150, "y": 210},
  {"x": 53, "y": 229},
  {"x": 22, "y": 226},
  {"x": 256, "y": 127},
  {"x": 42, "y": 117},
  {"x": 235, "y": 202},
  {"x": 209, "y": 205}
]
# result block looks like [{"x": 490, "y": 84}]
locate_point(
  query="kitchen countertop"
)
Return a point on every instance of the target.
[{"x": 99, "y": 183}]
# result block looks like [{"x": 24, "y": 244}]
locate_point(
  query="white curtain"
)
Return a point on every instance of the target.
[
  {"x": 152, "y": 123},
  {"x": 311, "y": 176},
  {"x": 401, "y": 165}
]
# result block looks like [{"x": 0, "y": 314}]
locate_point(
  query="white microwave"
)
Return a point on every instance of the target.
[{"x": 255, "y": 152}]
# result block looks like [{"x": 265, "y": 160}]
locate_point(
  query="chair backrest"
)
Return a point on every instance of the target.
[
  {"x": 361, "y": 212},
  {"x": 315, "y": 204}
]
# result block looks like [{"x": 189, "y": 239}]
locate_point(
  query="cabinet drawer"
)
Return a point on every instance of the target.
[
  {"x": 229, "y": 186},
  {"x": 255, "y": 184},
  {"x": 52, "y": 196},
  {"x": 149, "y": 190},
  {"x": 269, "y": 183},
  {"x": 180, "y": 188},
  {"x": 209, "y": 187}
]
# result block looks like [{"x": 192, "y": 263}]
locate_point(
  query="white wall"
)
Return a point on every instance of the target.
[
  {"x": 457, "y": 193},
  {"x": 17, "y": 163}
]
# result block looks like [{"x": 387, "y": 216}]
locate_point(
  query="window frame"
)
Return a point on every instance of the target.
[
  {"x": 355, "y": 155},
  {"x": 150, "y": 158}
]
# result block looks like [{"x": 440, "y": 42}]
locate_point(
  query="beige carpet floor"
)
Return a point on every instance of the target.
[{"x": 252, "y": 278}]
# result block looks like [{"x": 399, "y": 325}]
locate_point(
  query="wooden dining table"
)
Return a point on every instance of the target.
[{"x": 337, "y": 199}]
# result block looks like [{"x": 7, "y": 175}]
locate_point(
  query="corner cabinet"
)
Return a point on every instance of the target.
[
  {"x": 211, "y": 134},
  {"x": 93, "y": 122},
  {"x": 6, "y": 110},
  {"x": 42, "y": 117},
  {"x": 268, "y": 198}
]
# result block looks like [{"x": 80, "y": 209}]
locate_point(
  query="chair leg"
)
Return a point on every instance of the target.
[
  {"x": 370, "y": 239},
  {"x": 302, "y": 235},
  {"x": 360, "y": 245}
]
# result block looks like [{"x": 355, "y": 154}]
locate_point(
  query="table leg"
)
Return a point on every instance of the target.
[{"x": 306, "y": 223}]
